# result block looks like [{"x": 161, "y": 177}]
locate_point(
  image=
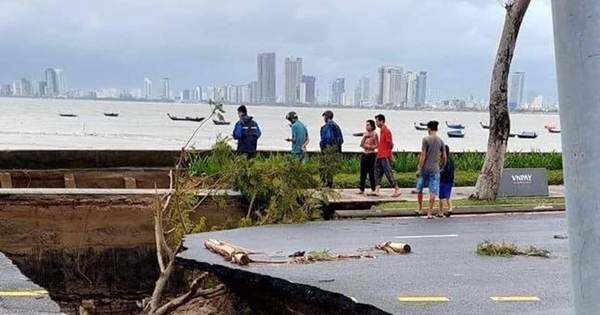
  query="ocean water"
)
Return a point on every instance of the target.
[{"x": 27, "y": 124}]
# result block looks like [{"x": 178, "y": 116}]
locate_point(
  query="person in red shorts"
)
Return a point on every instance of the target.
[{"x": 383, "y": 164}]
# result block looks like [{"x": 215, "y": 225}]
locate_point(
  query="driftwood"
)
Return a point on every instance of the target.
[
  {"x": 232, "y": 253},
  {"x": 394, "y": 248}
]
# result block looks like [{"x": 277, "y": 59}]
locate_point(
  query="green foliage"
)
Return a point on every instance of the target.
[
  {"x": 405, "y": 162},
  {"x": 487, "y": 248},
  {"x": 322, "y": 255},
  {"x": 550, "y": 161},
  {"x": 217, "y": 162}
]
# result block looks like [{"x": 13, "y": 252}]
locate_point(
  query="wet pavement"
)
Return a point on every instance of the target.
[{"x": 443, "y": 274}]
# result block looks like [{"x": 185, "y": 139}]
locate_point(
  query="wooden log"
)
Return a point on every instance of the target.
[
  {"x": 6, "y": 180},
  {"x": 394, "y": 248},
  {"x": 231, "y": 252}
]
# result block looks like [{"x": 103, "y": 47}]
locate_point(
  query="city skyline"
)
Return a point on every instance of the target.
[{"x": 454, "y": 41}]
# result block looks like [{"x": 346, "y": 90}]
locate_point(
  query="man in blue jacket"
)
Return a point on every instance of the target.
[
  {"x": 246, "y": 132},
  {"x": 331, "y": 145}
]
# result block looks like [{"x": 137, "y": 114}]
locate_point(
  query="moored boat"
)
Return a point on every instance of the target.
[
  {"x": 221, "y": 122},
  {"x": 554, "y": 130},
  {"x": 455, "y": 126},
  {"x": 456, "y": 133},
  {"x": 420, "y": 127},
  {"x": 186, "y": 118},
  {"x": 67, "y": 115},
  {"x": 484, "y": 126},
  {"x": 527, "y": 135},
  {"x": 111, "y": 114}
]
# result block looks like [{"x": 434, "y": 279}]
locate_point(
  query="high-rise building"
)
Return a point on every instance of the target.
[
  {"x": 147, "y": 89},
  {"x": 515, "y": 92},
  {"x": 55, "y": 80},
  {"x": 42, "y": 88},
  {"x": 362, "y": 92},
  {"x": 266, "y": 86},
  {"x": 390, "y": 86},
  {"x": 253, "y": 90},
  {"x": 186, "y": 95},
  {"x": 338, "y": 88},
  {"x": 421, "y": 98},
  {"x": 166, "y": 89},
  {"x": 293, "y": 79},
  {"x": 308, "y": 89},
  {"x": 197, "y": 95},
  {"x": 26, "y": 88},
  {"x": 411, "y": 90}
]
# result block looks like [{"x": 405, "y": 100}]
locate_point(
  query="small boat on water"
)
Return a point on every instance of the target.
[
  {"x": 220, "y": 120},
  {"x": 358, "y": 134},
  {"x": 423, "y": 124},
  {"x": 456, "y": 133},
  {"x": 527, "y": 135},
  {"x": 111, "y": 114},
  {"x": 552, "y": 129},
  {"x": 67, "y": 115},
  {"x": 484, "y": 126},
  {"x": 420, "y": 127},
  {"x": 186, "y": 118},
  {"x": 455, "y": 126}
]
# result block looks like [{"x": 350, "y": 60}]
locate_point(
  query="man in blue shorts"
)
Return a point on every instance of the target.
[{"x": 432, "y": 152}]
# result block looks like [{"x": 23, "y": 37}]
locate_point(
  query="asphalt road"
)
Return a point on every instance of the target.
[
  {"x": 18, "y": 295},
  {"x": 443, "y": 262}
]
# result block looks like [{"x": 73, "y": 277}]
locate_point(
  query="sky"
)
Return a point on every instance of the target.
[{"x": 116, "y": 43}]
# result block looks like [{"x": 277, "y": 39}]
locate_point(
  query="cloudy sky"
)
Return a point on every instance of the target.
[{"x": 116, "y": 43}]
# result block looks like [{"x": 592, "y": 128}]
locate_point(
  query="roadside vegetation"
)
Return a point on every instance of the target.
[{"x": 467, "y": 164}]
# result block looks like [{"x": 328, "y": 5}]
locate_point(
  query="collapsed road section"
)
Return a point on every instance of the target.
[{"x": 442, "y": 274}]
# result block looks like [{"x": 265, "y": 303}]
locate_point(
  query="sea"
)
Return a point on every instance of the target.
[{"x": 35, "y": 124}]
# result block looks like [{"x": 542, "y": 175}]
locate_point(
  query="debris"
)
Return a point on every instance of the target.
[
  {"x": 487, "y": 248},
  {"x": 297, "y": 254},
  {"x": 394, "y": 248},
  {"x": 232, "y": 253},
  {"x": 326, "y": 280},
  {"x": 560, "y": 237}
]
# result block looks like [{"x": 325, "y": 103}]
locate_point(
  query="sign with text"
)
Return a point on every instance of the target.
[{"x": 524, "y": 182}]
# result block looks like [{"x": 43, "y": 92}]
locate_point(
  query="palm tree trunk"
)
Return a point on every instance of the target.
[{"x": 488, "y": 182}]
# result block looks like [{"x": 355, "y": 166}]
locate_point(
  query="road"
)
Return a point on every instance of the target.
[
  {"x": 443, "y": 264},
  {"x": 18, "y": 295}
]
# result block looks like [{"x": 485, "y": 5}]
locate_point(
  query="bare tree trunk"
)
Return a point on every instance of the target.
[{"x": 488, "y": 182}]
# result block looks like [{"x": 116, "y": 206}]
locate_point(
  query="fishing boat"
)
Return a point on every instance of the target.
[
  {"x": 423, "y": 124},
  {"x": 527, "y": 135},
  {"x": 220, "y": 120},
  {"x": 186, "y": 118},
  {"x": 484, "y": 126},
  {"x": 511, "y": 135},
  {"x": 456, "y": 133},
  {"x": 552, "y": 129},
  {"x": 420, "y": 127},
  {"x": 455, "y": 126},
  {"x": 358, "y": 134},
  {"x": 111, "y": 114},
  {"x": 67, "y": 115}
]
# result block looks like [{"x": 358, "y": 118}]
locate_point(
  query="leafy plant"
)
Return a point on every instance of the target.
[{"x": 487, "y": 248}]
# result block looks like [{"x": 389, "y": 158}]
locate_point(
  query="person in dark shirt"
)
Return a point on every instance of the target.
[
  {"x": 331, "y": 147},
  {"x": 246, "y": 132},
  {"x": 446, "y": 184}
]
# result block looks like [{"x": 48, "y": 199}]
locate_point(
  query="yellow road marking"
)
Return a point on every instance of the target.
[
  {"x": 423, "y": 299},
  {"x": 515, "y": 298},
  {"x": 23, "y": 293}
]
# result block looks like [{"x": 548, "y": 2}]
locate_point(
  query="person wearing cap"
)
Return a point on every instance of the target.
[
  {"x": 331, "y": 144},
  {"x": 246, "y": 132},
  {"x": 299, "y": 137}
]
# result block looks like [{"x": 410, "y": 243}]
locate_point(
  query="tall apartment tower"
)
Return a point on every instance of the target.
[
  {"x": 293, "y": 80},
  {"x": 515, "y": 92},
  {"x": 421, "y": 98},
  {"x": 55, "y": 79},
  {"x": 338, "y": 89},
  {"x": 309, "y": 89},
  {"x": 265, "y": 78},
  {"x": 166, "y": 89},
  {"x": 390, "y": 85},
  {"x": 147, "y": 89}
]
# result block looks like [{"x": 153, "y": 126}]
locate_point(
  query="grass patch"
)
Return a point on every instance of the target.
[
  {"x": 487, "y": 248},
  {"x": 501, "y": 202}
]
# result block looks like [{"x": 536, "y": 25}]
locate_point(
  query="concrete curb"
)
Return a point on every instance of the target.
[{"x": 346, "y": 214}]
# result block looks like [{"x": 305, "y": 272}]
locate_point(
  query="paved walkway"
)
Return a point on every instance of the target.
[{"x": 18, "y": 295}]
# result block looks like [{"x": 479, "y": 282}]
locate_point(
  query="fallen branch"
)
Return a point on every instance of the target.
[{"x": 194, "y": 292}]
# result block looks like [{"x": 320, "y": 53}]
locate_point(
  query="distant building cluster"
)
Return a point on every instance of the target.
[
  {"x": 51, "y": 85},
  {"x": 394, "y": 88}
]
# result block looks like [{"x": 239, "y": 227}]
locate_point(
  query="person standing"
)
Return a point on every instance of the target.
[
  {"x": 383, "y": 164},
  {"x": 299, "y": 137},
  {"x": 331, "y": 145},
  {"x": 432, "y": 152},
  {"x": 246, "y": 132},
  {"x": 369, "y": 144},
  {"x": 446, "y": 184}
]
